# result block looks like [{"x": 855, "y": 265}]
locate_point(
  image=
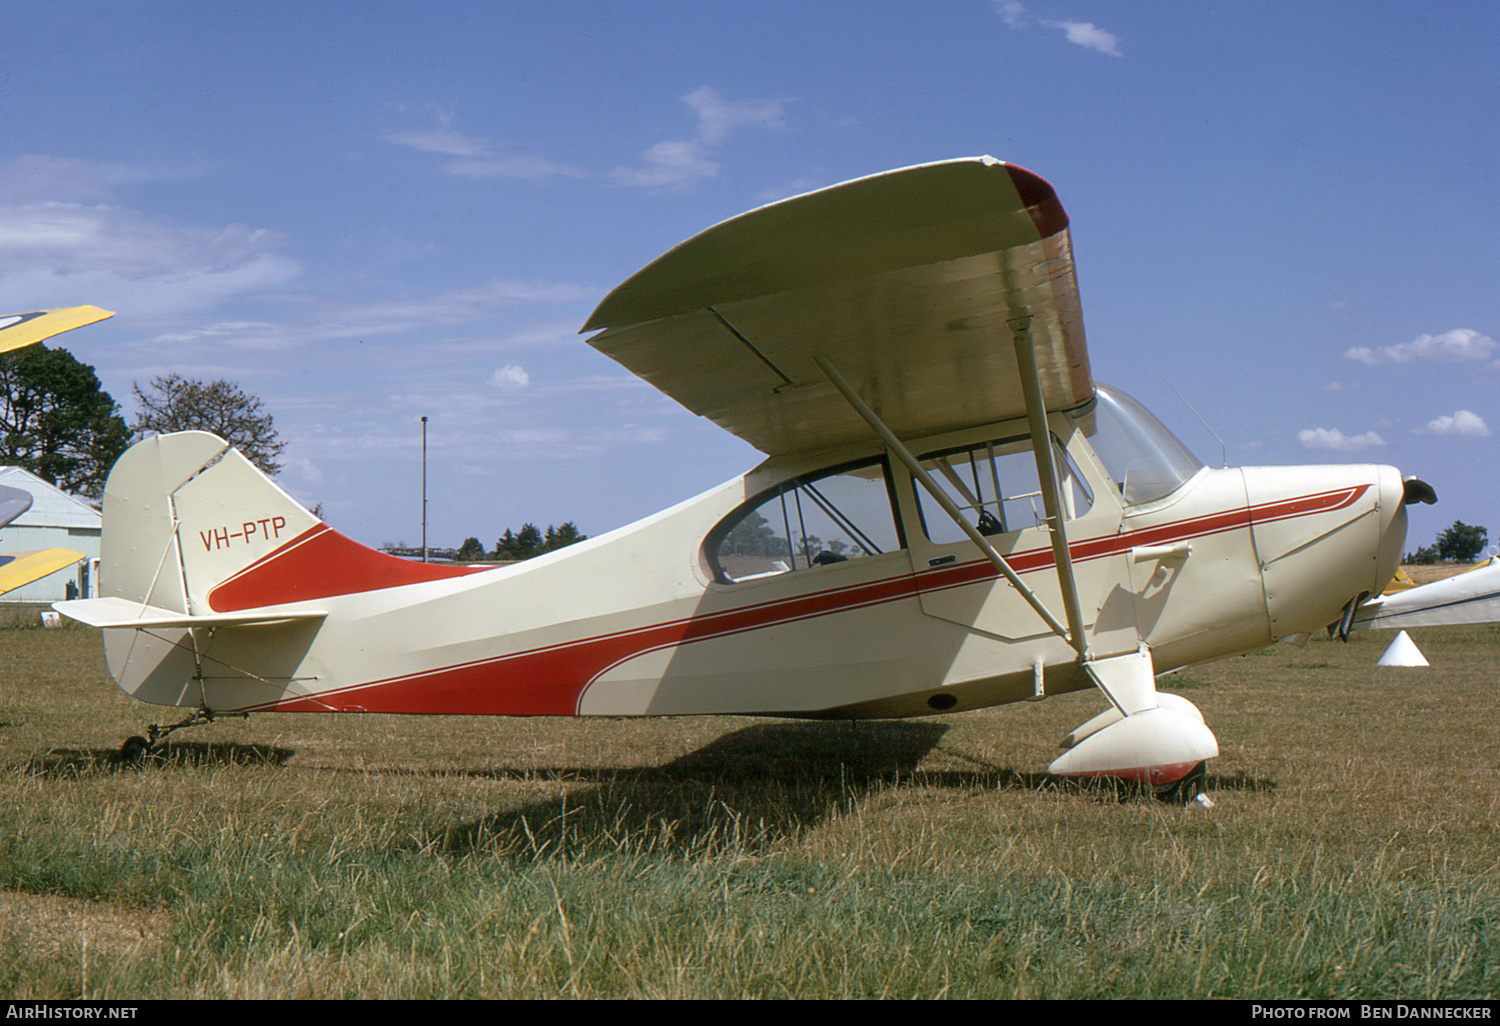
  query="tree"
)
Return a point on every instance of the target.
[
  {"x": 528, "y": 542},
  {"x": 1461, "y": 543},
  {"x": 531, "y": 542},
  {"x": 753, "y": 536},
  {"x": 471, "y": 551},
  {"x": 175, "y": 403},
  {"x": 57, "y": 421}
]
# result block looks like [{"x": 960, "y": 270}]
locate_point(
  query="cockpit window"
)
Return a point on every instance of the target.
[
  {"x": 1144, "y": 459},
  {"x": 820, "y": 520},
  {"x": 994, "y": 485}
]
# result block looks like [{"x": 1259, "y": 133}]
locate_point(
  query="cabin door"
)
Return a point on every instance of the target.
[{"x": 994, "y": 484}]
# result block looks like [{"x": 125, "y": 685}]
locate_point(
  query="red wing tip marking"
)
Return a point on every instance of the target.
[{"x": 1041, "y": 200}]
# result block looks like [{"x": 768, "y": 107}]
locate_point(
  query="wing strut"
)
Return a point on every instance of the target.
[
  {"x": 1046, "y": 473},
  {"x": 921, "y": 476}
]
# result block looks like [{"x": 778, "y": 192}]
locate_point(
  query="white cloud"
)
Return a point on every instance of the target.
[
  {"x": 511, "y": 377},
  {"x": 717, "y": 116},
  {"x": 305, "y": 469},
  {"x": 684, "y": 161},
  {"x": 68, "y": 238},
  {"x": 442, "y": 140},
  {"x": 1451, "y": 346},
  {"x": 475, "y": 157},
  {"x": 1463, "y": 422},
  {"x": 513, "y": 166},
  {"x": 1084, "y": 34},
  {"x": 55, "y": 250},
  {"x": 320, "y": 318},
  {"x": 793, "y": 188},
  {"x": 43, "y": 177},
  {"x": 676, "y": 162},
  {"x": 59, "y": 254},
  {"x": 670, "y": 163},
  {"x": 1011, "y": 12},
  {"x": 1080, "y": 33},
  {"x": 1336, "y": 440}
]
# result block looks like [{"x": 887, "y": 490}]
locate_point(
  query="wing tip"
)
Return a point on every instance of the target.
[
  {"x": 23, "y": 329},
  {"x": 1040, "y": 199}
]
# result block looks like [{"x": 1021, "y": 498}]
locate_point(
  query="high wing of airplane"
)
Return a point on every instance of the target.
[{"x": 952, "y": 514}]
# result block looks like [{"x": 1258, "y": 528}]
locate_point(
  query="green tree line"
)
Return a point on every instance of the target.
[
  {"x": 1461, "y": 543},
  {"x": 529, "y": 541}
]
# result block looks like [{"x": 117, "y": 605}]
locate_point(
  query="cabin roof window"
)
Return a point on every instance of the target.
[{"x": 1144, "y": 459}]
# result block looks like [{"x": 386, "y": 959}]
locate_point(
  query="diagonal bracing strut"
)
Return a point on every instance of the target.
[{"x": 1076, "y": 637}]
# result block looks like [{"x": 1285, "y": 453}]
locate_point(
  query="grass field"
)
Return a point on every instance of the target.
[{"x": 1352, "y": 850}]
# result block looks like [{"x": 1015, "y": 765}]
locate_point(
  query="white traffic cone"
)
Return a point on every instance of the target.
[{"x": 1403, "y": 652}]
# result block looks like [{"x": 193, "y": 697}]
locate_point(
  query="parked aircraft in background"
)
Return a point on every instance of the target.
[
  {"x": 952, "y": 514},
  {"x": 24, "y": 329},
  {"x": 18, "y": 569}
]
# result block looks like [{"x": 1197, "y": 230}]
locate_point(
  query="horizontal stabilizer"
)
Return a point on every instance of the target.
[
  {"x": 1472, "y": 597},
  {"x": 18, "y": 569},
  {"x": 123, "y": 612}
]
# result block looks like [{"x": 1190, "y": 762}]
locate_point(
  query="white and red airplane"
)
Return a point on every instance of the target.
[{"x": 953, "y": 514}]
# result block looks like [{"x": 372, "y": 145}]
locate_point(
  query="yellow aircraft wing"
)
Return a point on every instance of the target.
[
  {"x": 906, "y": 282},
  {"x": 18, "y": 569},
  {"x": 22, "y": 329}
]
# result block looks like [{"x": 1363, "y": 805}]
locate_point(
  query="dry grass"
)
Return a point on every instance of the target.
[{"x": 1352, "y": 850}]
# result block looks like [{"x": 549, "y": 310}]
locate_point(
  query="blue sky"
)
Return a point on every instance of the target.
[{"x": 369, "y": 212}]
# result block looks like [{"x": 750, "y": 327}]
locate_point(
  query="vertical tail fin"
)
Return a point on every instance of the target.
[
  {"x": 197, "y": 544},
  {"x": 184, "y": 512},
  {"x": 192, "y": 526}
]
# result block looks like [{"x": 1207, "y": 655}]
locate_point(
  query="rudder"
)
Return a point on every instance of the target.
[{"x": 183, "y": 512}]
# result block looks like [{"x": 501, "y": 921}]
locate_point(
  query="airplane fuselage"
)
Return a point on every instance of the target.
[{"x": 820, "y": 586}]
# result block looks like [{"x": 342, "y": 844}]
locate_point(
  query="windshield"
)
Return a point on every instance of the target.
[{"x": 1144, "y": 459}]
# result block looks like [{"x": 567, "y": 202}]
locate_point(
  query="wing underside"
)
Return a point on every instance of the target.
[{"x": 909, "y": 282}]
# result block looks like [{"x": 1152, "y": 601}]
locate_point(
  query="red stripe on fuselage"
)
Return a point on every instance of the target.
[
  {"x": 550, "y": 681},
  {"x": 321, "y": 563}
]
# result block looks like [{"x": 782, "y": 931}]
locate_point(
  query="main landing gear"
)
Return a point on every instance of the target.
[{"x": 1191, "y": 788}]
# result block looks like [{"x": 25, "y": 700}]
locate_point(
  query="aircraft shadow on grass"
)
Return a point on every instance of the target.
[
  {"x": 80, "y": 762},
  {"x": 749, "y": 788}
]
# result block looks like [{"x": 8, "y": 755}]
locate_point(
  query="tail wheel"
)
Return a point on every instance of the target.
[{"x": 133, "y": 748}]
